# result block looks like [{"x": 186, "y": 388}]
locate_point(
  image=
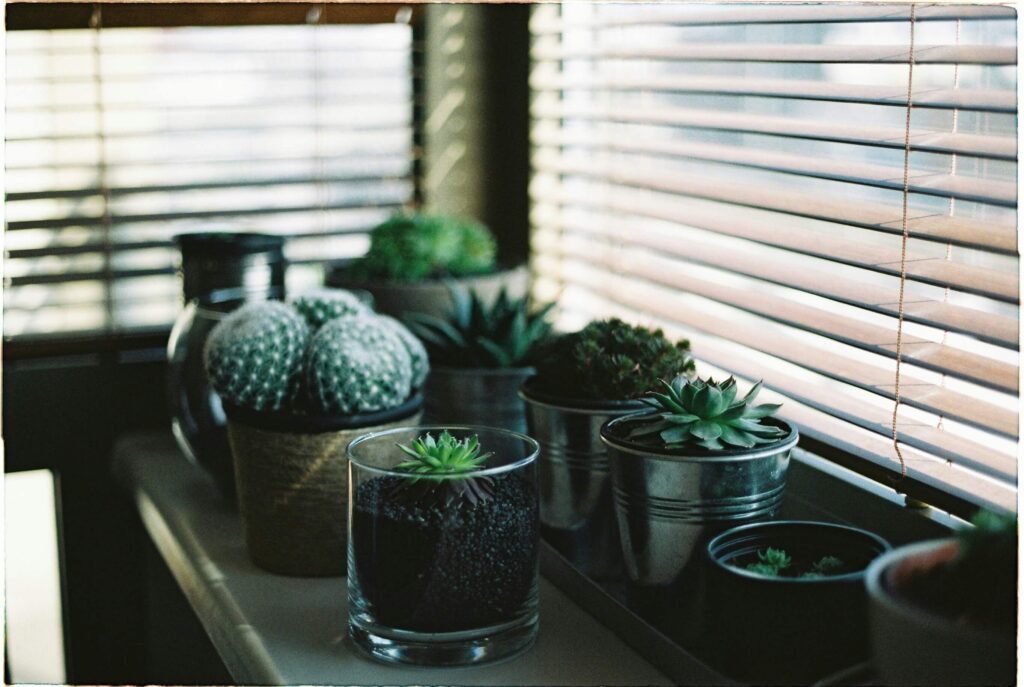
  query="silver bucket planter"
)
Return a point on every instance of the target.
[
  {"x": 575, "y": 484},
  {"x": 477, "y": 396},
  {"x": 669, "y": 504}
]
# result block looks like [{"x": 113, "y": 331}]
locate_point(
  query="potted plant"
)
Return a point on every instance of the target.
[
  {"x": 479, "y": 357},
  {"x": 298, "y": 381},
  {"x": 584, "y": 379},
  {"x": 411, "y": 257},
  {"x": 443, "y": 544},
  {"x": 702, "y": 460},
  {"x": 944, "y": 612},
  {"x": 787, "y": 599}
]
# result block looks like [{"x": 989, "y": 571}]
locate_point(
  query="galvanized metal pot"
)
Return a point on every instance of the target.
[
  {"x": 669, "y": 503},
  {"x": 477, "y": 396},
  {"x": 575, "y": 484}
]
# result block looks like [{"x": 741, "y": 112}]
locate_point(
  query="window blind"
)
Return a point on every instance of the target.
[
  {"x": 735, "y": 174},
  {"x": 118, "y": 139}
]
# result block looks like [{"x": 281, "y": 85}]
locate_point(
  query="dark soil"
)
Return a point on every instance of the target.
[
  {"x": 430, "y": 567},
  {"x": 968, "y": 594}
]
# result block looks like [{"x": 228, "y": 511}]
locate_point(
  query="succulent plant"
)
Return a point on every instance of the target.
[
  {"x": 322, "y": 305},
  {"x": 824, "y": 567},
  {"x": 611, "y": 360},
  {"x": 254, "y": 357},
  {"x": 413, "y": 346},
  {"x": 417, "y": 247},
  {"x": 770, "y": 562},
  {"x": 704, "y": 413},
  {"x": 357, "y": 365},
  {"x": 444, "y": 468},
  {"x": 504, "y": 334}
]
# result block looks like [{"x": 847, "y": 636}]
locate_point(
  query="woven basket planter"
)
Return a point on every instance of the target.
[{"x": 292, "y": 479}]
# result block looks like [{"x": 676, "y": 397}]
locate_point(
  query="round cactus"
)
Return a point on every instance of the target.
[
  {"x": 417, "y": 352},
  {"x": 254, "y": 357},
  {"x": 357, "y": 365},
  {"x": 323, "y": 305}
]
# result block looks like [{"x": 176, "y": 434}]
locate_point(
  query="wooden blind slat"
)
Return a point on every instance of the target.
[
  {"x": 941, "y": 184},
  {"x": 673, "y": 272},
  {"x": 746, "y": 52},
  {"x": 1000, "y": 237},
  {"x": 976, "y": 145},
  {"x": 613, "y": 282},
  {"x": 982, "y": 100}
]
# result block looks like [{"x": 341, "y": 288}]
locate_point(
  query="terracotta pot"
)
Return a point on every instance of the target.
[
  {"x": 913, "y": 645},
  {"x": 432, "y": 296}
]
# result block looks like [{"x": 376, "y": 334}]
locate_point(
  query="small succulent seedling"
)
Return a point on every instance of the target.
[
  {"x": 770, "y": 562},
  {"x": 446, "y": 465},
  {"x": 474, "y": 334},
  {"x": 704, "y": 413}
]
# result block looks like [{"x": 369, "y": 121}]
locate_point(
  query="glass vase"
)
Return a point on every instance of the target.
[
  {"x": 220, "y": 271},
  {"x": 436, "y": 577}
]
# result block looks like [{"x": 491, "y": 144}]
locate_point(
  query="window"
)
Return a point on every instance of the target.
[
  {"x": 120, "y": 138},
  {"x": 735, "y": 174}
]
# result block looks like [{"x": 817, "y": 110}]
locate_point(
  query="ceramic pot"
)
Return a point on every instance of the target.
[{"x": 431, "y": 297}]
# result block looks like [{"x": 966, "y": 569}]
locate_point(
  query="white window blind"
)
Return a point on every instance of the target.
[
  {"x": 735, "y": 174},
  {"x": 118, "y": 139}
]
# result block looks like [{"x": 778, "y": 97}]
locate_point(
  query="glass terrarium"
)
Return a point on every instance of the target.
[{"x": 443, "y": 544}]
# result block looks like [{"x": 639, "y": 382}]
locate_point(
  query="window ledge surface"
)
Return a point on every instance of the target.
[{"x": 271, "y": 629}]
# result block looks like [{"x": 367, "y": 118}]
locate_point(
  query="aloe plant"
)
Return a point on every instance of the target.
[
  {"x": 505, "y": 334},
  {"x": 445, "y": 467},
  {"x": 706, "y": 414}
]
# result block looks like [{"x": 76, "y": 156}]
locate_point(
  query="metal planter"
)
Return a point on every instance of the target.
[
  {"x": 575, "y": 484},
  {"x": 477, "y": 396},
  {"x": 669, "y": 504}
]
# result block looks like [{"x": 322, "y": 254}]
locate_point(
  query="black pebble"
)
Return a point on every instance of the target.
[{"x": 435, "y": 568}]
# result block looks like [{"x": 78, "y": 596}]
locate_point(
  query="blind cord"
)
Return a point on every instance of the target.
[
  {"x": 96, "y": 23},
  {"x": 903, "y": 245}
]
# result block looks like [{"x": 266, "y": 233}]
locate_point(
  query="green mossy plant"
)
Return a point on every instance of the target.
[
  {"x": 705, "y": 414},
  {"x": 611, "y": 360},
  {"x": 505, "y": 334},
  {"x": 409, "y": 248}
]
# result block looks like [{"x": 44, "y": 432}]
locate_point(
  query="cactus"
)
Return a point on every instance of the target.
[
  {"x": 254, "y": 357},
  {"x": 611, "y": 360},
  {"x": 417, "y": 247},
  {"x": 323, "y": 305},
  {"x": 413, "y": 346},
  {"x": 355, "y": 365}
]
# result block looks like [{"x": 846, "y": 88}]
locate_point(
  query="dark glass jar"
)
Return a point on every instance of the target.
[{"x": 220, "y": 271}]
